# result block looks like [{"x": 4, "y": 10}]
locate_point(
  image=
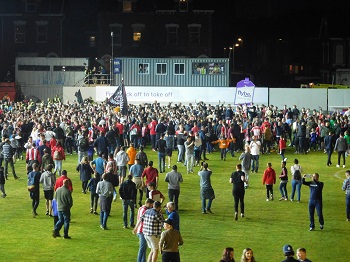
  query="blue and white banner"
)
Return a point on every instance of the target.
[{"x": 117, "y": 66}]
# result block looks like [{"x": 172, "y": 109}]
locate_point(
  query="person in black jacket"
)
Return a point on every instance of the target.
[
  {"x": 161, "y": 148},
  {"x": 127, "y": 192},
  {"x": 238, "y": 179},
  {"x": 101, "y": 144},
  {"x": 35, "y": 193}
]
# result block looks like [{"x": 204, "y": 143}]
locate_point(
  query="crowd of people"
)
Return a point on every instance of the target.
[{"x": 110, "y": 148}]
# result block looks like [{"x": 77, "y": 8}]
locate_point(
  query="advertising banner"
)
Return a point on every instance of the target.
[{"x": 244, "y": 92}]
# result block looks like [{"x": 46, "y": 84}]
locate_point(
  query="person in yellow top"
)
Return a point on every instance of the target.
[
  {"x": 132, "y": 154},
  {"x": 223, "y": 145}
]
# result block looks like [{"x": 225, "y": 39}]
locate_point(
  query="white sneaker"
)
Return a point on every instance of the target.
[
  {"x": 343, "y": 166},
  {"x": 267, "y": 199},
  {"x": 337, "y": 165},
  {"x": 285, "y": 159}
]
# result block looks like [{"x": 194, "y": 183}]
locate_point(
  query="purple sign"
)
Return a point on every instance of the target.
[
  {"x": 244, "y": 92},
  {"x": 245, "y": 83}
]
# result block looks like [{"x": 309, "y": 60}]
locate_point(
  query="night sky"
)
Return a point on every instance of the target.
[{"x": 257, "y": 19}]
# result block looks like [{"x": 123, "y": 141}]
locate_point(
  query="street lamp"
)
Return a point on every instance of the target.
[
  {"x": 111, "y": 65},
  {"x": 232, "y": 49}
]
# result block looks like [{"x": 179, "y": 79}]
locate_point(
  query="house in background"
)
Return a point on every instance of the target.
[{"x": 29, "y": 28}]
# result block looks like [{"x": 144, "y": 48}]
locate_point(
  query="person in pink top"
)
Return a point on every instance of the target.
[{"x": 152, "y": 132}]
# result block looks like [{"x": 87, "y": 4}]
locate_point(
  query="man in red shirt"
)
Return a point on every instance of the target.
[
  {"x": 59, "y": 181},
  {"x": 151, "y": 175},
  {"x": 269, "y": 178}
]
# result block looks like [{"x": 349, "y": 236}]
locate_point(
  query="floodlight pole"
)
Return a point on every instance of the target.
[{"x": 112, "y": 61}]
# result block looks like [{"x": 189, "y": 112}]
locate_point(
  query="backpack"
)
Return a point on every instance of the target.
[
  {"x": 297, "y": 175},
  {"x": 57, "y": 154},
  {"x": 31, "y": 181},
  {"x": 83, "y": 143}
]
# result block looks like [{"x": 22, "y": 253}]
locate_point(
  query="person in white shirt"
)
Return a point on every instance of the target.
[{"x": 255, "y": 152}]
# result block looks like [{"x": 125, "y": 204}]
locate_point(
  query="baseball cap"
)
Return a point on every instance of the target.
[{"x": 288, "y": 249}]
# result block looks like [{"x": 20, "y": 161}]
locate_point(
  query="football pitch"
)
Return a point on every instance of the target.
[{"x": 266, "y": 227}]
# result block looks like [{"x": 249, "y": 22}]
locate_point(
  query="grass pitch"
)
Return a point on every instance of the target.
[{"x": 266, "y": 227}]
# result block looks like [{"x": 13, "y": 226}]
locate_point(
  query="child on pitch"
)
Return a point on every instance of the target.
[
  {"x": 92, "y": 185},
  {"x": 223, "y": 145},
  {"x": 54, "y": 211},
  {"x": 282, "y": 147}
]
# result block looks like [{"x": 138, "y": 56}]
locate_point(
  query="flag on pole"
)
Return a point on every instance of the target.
[
  {"x": 79, "y": 97},
  {"x": 119, "y": 99}
]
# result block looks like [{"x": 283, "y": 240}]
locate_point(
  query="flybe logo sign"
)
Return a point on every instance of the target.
[{"x": 244, "y": 94}]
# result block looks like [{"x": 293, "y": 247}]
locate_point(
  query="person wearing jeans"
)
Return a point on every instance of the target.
[
  {"x": 296, "y": 183},
  {"x": 127, "y": 192},
  {"x": 255, "y": 152},
  {"x": 64, "y": 204},
  {"x": 284, "y": 181},
  {"x": 141, "y": 256},
  {"x": 105, "y": 190},
  {"x": 206, "y": 191}
]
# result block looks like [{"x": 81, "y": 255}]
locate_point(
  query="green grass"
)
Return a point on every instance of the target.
[{"x": 266, "y": 228}]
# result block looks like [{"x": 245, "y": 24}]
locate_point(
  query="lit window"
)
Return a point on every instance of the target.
[
  {"x": 117, "y": 34},
  {"x": 20, "y": 31},
  {"x": 291, "y": 69},
  {"x": 143, "y": 68},
  {"x": 137, "y": 36},
  {"x": 211, "y": 68},
  {"x": 92, "y": 41},
  {"x": 179, "y": 69},
  {"x": 161, "y": 68},
  {"x": 41, "y": 31},
  {"x": 194, "y": 31},
  {"x": 172, "y": 36},
  {"x": 137, "y": 32},
  {"x": 127, "y": 6}
]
